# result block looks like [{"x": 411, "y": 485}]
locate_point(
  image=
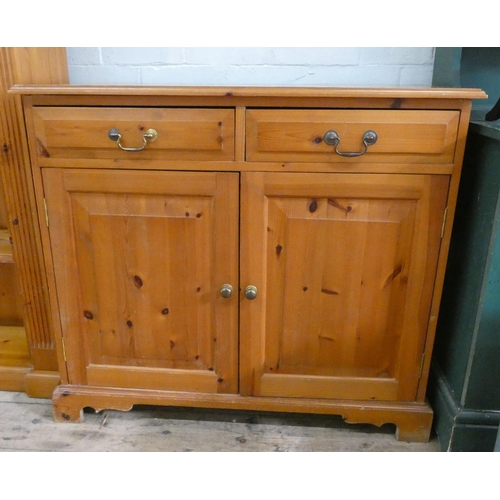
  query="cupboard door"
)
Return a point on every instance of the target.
[
  {"x": 139, "y": 259},
  {"x": 344, "y": 266}
]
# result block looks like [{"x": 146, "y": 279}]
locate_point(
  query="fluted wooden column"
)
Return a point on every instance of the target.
[{"x": 28, "y": 65}]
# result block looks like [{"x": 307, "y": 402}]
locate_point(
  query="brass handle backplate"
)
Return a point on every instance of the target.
[
  {"x": 149, "y": 136},
  {"x": 251, "y": 292},
  {"x": 332, "y": 138}
]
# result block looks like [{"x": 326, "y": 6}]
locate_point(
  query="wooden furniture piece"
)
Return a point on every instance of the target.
[
  {"x": 10, "y": 303},
  {"x": 465, "y": 365},
  {"x": 27, "y": 353},
  {"x": 469, "y": 67},
  {"x": 465, "y": 401},
  {"x": 253, "y": 248}
]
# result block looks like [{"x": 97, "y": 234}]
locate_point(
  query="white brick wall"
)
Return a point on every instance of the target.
[{"x": 359, "y": 66}]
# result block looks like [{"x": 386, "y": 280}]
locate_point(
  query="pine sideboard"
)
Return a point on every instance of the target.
[{"x": 272, "y": 249}]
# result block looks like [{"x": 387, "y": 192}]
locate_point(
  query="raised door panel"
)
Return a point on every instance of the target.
[
  {"x": 139, "y": 259},
  {"x": 345, "y": 266}
]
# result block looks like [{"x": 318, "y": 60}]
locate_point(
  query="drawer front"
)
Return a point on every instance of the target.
[
  {"x": 402, "y": 135},
  {"x": 182, "y": 133}
]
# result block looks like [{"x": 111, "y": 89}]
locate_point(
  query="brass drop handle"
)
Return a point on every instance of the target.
[
  {"x": 251, "y": 292},
  {"x": 226, "y": 290},
  {"x": 149, "y": 136},
  {"x": 332, "y": 138}
]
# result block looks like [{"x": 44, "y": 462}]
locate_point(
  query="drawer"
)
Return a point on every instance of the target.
[
  {"x": 413, "y": 136},
  {"x": 182, "y": 133}
]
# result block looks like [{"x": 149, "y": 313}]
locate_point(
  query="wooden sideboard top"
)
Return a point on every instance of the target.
[{"x": 235, "y": 91}]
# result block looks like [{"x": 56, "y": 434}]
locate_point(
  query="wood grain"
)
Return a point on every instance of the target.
[
  {"x": 28, "y": 65},
  {"x": 413, "y": 420},
  {"x": 403, "y": 136},
  {"x": 28, "y": 425},
  {"x": 39, "y": 65},
  {"x": 183, "y": 133},
  {"x": 344, "y": 265},
  {"x": 3, "y": 208},
  {"x": 199, "y": 92},
  {"x": 11, "y": 313},
  {"x": 13, "y": 347},
  {"x": 344, "y": 253},
  {"x": 15, "y": 362},
  {"x": 146, "y": 254}
]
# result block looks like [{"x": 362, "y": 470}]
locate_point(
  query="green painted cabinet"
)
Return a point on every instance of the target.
[
  {"x": 476, "y": 67},
  {"x": 465, "y": 383}
]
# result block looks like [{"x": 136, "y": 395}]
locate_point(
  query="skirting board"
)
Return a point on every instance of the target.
[
  {"x": 36, "y": 383},
  {"x": 459, "y": 429},
  {"x": 12, "y": 378},
  {"x": 41, "y": 384}
]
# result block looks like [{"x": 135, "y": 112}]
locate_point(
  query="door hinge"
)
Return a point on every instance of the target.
[
  {"x": 46, "y": 212},
  {"x": 63, "y": 349},
  {"x": 422, "y": 361},
  {"x": 445, "y": 216}
]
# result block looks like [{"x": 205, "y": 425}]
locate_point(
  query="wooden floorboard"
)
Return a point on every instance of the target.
[{"x": 27, "y": 424}]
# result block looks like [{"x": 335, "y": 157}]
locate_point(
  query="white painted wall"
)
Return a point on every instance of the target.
[{"x": 343, "y": 67}]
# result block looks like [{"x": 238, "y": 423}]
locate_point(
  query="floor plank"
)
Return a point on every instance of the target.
[{"x": 27, "y": 424}]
